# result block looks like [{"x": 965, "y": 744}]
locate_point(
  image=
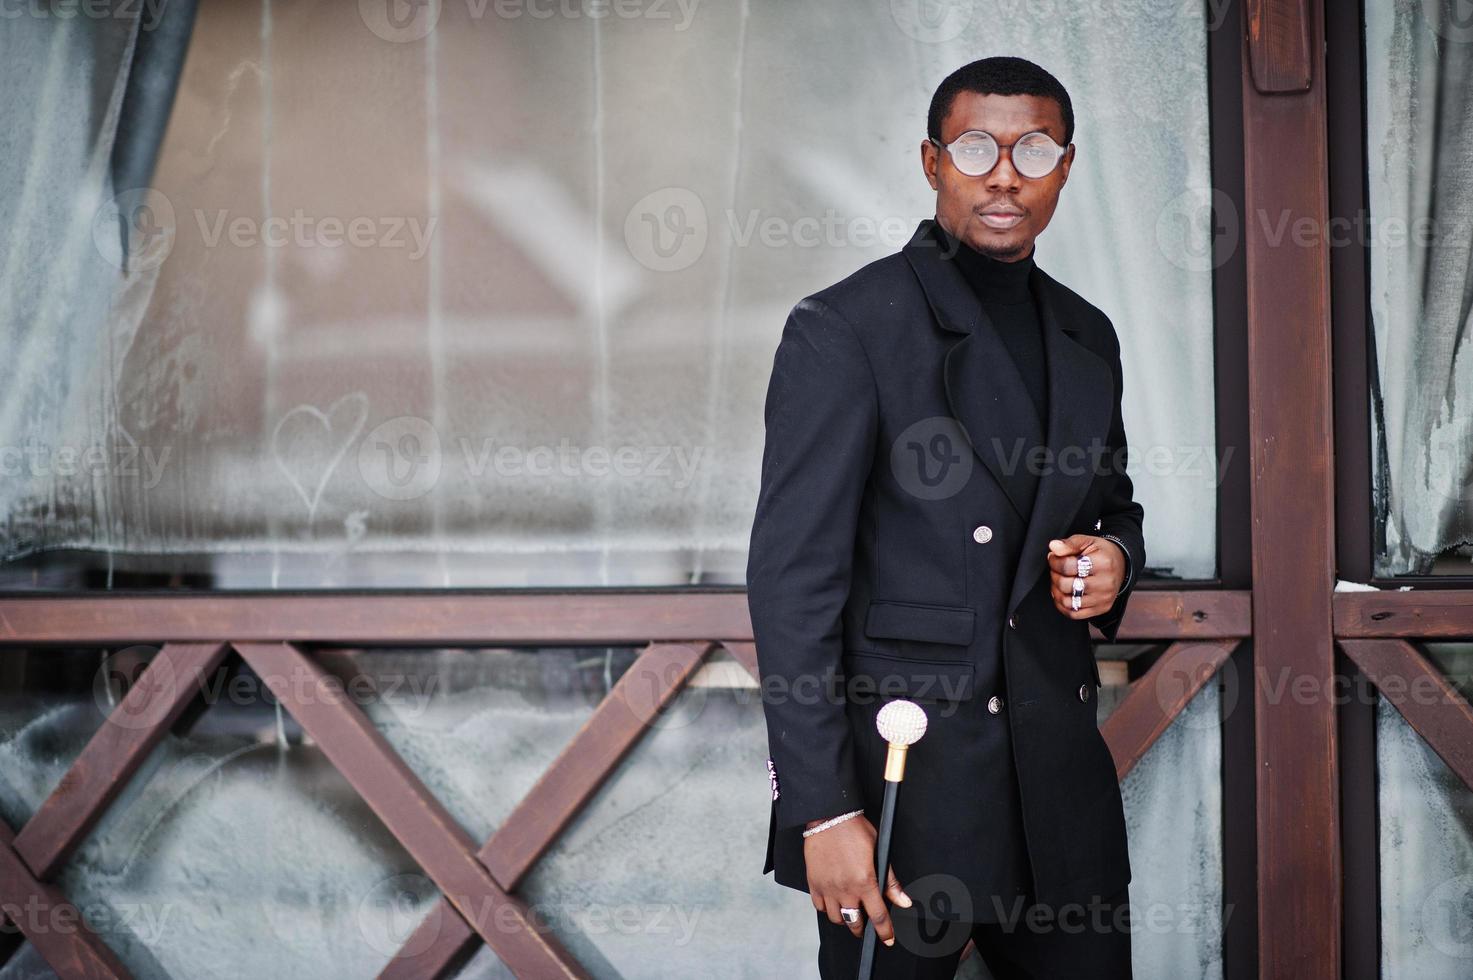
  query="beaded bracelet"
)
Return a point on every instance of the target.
[{"x": 831, "y": 822}]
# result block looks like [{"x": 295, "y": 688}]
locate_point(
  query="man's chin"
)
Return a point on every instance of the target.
[{"x": 1005, "y": 246}]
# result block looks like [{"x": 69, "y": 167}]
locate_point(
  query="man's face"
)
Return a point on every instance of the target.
[{"x": 963, "y": 203}]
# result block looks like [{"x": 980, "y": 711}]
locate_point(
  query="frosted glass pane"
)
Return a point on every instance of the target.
[
  {"x": 1419, "y": 141},
  {"x": 49, "y": 711},
  {"x": 238, "y": 842},
  {"x": 1173, "y": 819},
  {"x": 496, "y": 304},
  {"x": 1425, "y": 826}
]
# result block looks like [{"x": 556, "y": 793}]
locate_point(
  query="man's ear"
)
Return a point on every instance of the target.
[
  {"x": 929, "y": 159},
  {"x": 1064, "y": 166}
]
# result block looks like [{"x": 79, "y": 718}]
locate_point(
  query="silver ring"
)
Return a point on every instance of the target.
[
  {"x": 1078, "y": 586},
  {"x": 850, "y": 916},
  {"x": 1086, "y": 565},
  {"x": 1074, "y": 602}
]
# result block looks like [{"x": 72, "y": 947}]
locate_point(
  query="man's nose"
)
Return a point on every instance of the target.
[{"x": 1002, "y": 176}]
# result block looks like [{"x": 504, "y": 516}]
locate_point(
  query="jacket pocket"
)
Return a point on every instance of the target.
[
  {"x": 871, "y": 675},
  {"x": 895, "y": 620}
]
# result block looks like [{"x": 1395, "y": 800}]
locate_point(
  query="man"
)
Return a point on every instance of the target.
[{"x": 885, "y": 564}]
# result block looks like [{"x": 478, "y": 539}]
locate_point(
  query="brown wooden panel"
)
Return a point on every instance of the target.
[
  {"x": 407, "y": 808},
  {"x": 569, "y": 783},
  {"x": 1290, "y": 417},
  {"x": 492, "y": 618},
  {"x": 52, "y": 924},
  {"x": 746, "y": 655},
  {"x": 1423, "y": 695},
  {"x": 1417, "y": 613},
  {"x": 114, "y": 753},
  {"x": 1157, "y": 698},
  {"x": 1185, "y": 614},
  {"x": 1278, "y": 45}
]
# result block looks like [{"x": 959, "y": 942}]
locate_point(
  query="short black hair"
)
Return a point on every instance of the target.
[{"x": 1001, "y": 75}]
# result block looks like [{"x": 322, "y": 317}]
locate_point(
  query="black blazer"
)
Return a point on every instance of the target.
[{"x": 884, "y": 563}]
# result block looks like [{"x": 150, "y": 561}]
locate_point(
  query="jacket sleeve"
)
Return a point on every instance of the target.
[
  {"x": 821, "y": 418},
  {"x": 1121, "y": 517}
]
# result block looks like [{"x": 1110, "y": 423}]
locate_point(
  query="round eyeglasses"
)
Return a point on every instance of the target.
[{"x": 975, "y": 153}]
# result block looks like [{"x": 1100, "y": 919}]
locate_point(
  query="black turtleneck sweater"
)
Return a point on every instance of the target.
[{"x": 1002, "y": 288}]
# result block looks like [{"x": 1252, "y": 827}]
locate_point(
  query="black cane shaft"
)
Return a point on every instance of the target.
[{"x": 882, "y": 869}]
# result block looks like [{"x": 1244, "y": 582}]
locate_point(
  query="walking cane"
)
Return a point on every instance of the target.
[{"x": 901, "y": 723}]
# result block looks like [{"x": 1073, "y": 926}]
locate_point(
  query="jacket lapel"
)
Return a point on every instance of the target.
[
  {"x": 984, "y": 389},
  {"x": 987, "y": 395},
  {"x": 1081, "y": 403}
]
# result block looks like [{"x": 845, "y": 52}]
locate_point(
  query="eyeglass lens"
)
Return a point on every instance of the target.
[{"x": 975, "y": 154}]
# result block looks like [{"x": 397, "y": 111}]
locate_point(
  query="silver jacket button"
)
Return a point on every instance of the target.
[
  {"x": 1013, "y": 621},
  {"x": 982, "y": 534},
  {"x": 1084, "y": 692},
  {"x": 1099, "y": 523},
  {"x": 994, "y": 704}
]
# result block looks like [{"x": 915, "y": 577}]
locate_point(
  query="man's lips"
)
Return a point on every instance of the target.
[{"x": 1000, "y": 218}]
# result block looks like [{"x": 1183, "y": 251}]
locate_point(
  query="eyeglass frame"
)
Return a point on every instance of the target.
[{"x": 1063, "y": 151}]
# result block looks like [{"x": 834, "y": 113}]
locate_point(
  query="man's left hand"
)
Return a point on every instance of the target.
[{"x": 1106, "y": 574}]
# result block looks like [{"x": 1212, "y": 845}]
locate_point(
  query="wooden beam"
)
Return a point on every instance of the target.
[
  {"x": 53, "y": 925},
  {"x": 407, "y": 808},
  {"x": 1278, "y": 45},
  {"x": 1431, "y": 705},
  {"x": 1414, "y": 614},
  {"x": 746, "y": 655},
  {"x": 625, "y": 713},
  {"x": 515, "y": 618},
  {"x": 1155, "y": 699},
  {"x": 1286, "y": 239},
  {"x": 602, "y": 617},
  {"x": 116, "y": 750}
]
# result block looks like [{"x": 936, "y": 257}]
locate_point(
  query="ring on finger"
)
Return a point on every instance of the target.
[
  {"x": 1086, "y": 565},
  {"x": 850, "y": 916}
]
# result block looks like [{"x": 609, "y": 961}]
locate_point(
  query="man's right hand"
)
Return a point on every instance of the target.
[{"x": 841, "y": 874}]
